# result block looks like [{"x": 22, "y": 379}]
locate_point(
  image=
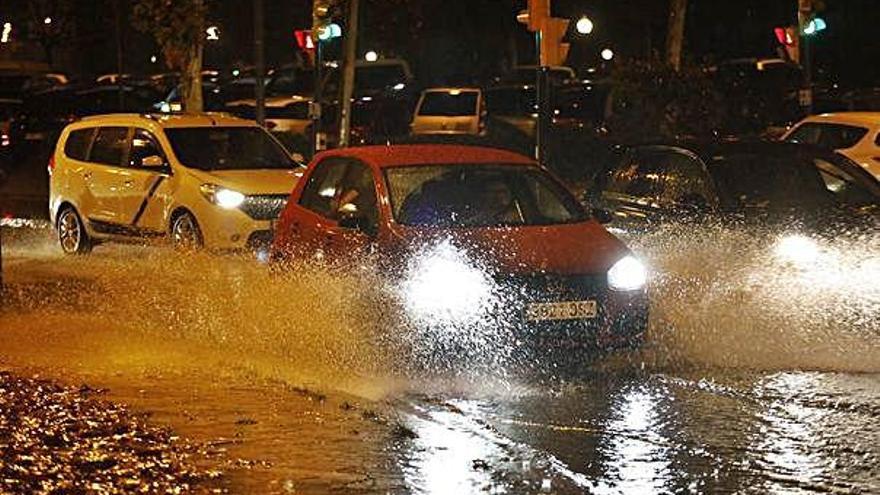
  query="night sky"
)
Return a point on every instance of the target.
[{"x": 452, "y": 40}]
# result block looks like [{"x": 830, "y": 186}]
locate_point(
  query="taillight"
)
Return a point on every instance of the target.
[{"x": 51, "y": 166}]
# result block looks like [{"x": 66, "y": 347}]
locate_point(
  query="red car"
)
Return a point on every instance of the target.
[{"x": 469, "y": 234}]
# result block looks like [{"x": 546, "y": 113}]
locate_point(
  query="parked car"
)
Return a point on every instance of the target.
[
  {"x": 287, "y": 117},
  {"x": 10, "y": 111},
  {"x": 768, "y": 184},
  {"x": 200, "y": 180},
  {"x": 457, "y": 227},
  {"x": 450, "y": 111},
  {"x": 854, "y": 134}
]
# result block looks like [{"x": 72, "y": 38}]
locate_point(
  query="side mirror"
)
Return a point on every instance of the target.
[
  {"x": 153, "y": 162},
  {"x": 602, "y": 215},
  {"x": 357, "y": 223},
  {"x": 298, "y": 158}
]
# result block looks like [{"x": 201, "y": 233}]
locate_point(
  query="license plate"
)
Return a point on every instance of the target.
[
  {"x": 34, "y": 136},
  {"x": 570, "y": 310}
]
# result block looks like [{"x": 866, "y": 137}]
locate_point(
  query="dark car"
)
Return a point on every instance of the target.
[{"x": 755, "y": 182}]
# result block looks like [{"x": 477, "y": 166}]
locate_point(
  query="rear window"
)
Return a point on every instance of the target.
[
  {"x": 831, "y": 136},
  {"x": 77, "y": 145},
  {"x": 449, "y": 104}
]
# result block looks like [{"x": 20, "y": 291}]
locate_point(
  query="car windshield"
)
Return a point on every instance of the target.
[
  {"x": 769, "y": 180},
  {"x": 227, "y": 148},
  {"x": 449, "y": 104},
  {"x": 461, "y": 196}
]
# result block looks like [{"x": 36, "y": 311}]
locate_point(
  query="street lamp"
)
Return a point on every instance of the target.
[
  {"x": 7, "y": 32},
  {"x": 607, "y": 54},
  {"x": 47, "y": 21},
  {"x": 371, "y": 56},
  {"x": 584, "y": 25},
  {"x": 213, "y": 33}
]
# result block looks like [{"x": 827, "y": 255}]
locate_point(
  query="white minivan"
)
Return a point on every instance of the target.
[
  {"x": 207, "y": 180},
  {"x": 450, "y": 111}
]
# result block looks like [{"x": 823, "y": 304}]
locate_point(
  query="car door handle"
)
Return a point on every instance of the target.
[
  {"x": 87, "y": 176},
  {"x": 129, "y": 183}
]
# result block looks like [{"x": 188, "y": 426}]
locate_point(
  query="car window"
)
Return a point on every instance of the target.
[
  {"x": 449, "y": 104},
  {"x": 110, "y": 146},
  {"x": 831, "y": 136},
  {"x": 227, "y": 148},
  {"x": 356, "y": 195},
  {"x": 478, "y": 195},
  {"x": 77, "y": 145},
  {"x": 638, "y": 175},
  {"x": 324, "y": 186},
  {"x": 842, "y": 184},
  {"x": 764, "y": 180},
  {"x": 686, "y": 181},
  {"x": 143, "y": 144}
]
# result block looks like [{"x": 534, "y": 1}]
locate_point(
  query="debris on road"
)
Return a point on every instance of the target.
[{"x": 57, "y": 439}]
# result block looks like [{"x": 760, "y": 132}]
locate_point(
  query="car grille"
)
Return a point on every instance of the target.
[
  {"x": 265, "y": 207},
  {"x": 550, "y": 288}
]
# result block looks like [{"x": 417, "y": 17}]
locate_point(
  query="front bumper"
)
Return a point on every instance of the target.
[{"x": 621, "y": 319}]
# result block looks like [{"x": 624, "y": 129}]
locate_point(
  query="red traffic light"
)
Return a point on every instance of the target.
[
  {"x": 304, "y": 39},
  {"x": 783, "y": 36}
]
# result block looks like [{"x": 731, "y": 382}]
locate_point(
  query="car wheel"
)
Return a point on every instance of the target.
[
  {"x": 185, "y": 232},
  {"x": 72, "y": 234}
]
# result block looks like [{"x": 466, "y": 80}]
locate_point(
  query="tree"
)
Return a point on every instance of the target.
[
  {"x": 675, "y": 32},
  {"x": 178, "y": 27}
]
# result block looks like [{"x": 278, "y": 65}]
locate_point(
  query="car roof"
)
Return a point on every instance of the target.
[
  {"x": 400, "y": 155},
  {"x": 206, "y": 119},
  {"x": 706, "y": 150},
  {"x": 864, "y": 118}
]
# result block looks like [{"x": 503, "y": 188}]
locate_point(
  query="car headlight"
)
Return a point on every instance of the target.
[
  {"x": 441, "y": 285},
  {"x": 222, "y": 197},
  {"x": 627, "y": 274},
  {"x": 797, "y": 249}
]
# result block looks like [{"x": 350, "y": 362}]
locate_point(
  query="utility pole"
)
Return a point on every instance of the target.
[
  {"x": 117, "y": 8},
  {"x": 260, "y": 62},
  {"x": 805, "y": 13},
  {"x": 349, "y": 62}
]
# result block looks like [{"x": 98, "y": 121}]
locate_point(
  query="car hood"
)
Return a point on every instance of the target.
[
  {"x": 252, "y": 181},
  {"x": 569, "y": 249}
]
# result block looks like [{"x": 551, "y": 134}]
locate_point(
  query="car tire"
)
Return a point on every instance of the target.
[
  {"x": 185, "y": 233},
  {"x": 72, "y": 235}
]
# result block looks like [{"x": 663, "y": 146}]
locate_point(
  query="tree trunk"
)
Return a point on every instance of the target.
[
  {"x": 191, "y": 80},
  {"x": 675, "y": 32}
]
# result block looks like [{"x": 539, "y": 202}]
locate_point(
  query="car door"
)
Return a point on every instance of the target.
[
  {"x": 337, "y": 188},
  {"x": 356, "y": 215},
  {"x": 145, "y": 192},
  {"x": 102, "y": 177},
  {"x": 316, "y": 209}
]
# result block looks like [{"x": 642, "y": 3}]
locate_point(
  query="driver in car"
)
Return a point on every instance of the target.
[{"x": 497, "y": 205}]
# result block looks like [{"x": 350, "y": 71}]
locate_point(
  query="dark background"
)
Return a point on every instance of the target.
[{"x": 452, "y": 40}]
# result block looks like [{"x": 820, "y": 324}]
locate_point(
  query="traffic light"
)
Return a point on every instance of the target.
[
  {"x": 553, "y": 50},
  {"x": 552, "y": 31},
  {"x": 790, "y": 41},
  {"x": 321, "y": 15}
]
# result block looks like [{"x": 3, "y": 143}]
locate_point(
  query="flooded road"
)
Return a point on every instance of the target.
[{"x": 759, "y": 374}]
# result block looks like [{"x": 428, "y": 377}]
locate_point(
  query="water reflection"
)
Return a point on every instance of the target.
[{"x": 636, "y": 452}]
